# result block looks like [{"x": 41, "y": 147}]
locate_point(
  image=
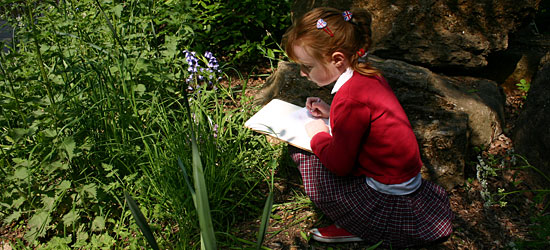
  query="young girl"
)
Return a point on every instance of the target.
[{"x": 365, "y": 173}]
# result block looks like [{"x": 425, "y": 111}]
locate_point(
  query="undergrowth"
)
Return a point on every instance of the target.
[{"x": 92, "y": 100}]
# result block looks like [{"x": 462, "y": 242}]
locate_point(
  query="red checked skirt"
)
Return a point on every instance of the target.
[{"x": 398, "y": 220}]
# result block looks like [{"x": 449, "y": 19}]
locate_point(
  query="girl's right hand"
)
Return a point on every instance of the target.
[{"x": 317, "y": 107}]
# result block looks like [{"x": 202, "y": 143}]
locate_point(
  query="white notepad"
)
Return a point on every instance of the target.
[{"x": 284, "y": 121}]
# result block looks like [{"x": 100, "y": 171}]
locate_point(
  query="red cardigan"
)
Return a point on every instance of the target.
[{"x": 371, "y": 134}]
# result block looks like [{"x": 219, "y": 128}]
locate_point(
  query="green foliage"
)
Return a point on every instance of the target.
[
  {"x": 266, "y": 215},
  {"x": 141, "y": 221},
  {"x": 524, "y": 87},
  {"x": 92, "y": 100},
  {"x": 539, "y": 232},
  {"x": 240, "y": 28}
]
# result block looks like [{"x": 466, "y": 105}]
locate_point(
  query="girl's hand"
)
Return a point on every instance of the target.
[
  {"x": 316, "y": 126},
  {"x": 317, "y": 107}
]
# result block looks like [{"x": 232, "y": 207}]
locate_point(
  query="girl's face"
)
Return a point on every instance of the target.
[{"x": 321, "y": 72}]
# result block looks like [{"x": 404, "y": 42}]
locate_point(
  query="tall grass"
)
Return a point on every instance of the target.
[{"x": 93, "y": 100}]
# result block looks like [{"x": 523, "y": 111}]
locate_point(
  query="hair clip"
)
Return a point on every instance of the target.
[
  {"x": 321, "y": 24},
  {"x": 362, "y": 55},
  {"x": 347, "y": 15}
]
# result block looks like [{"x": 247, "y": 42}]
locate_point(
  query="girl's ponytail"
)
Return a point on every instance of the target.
[{"x": 362, "y": 20}]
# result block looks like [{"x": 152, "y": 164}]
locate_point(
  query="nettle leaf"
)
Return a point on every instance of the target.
[
  {"x": 44, "y": 48},
  {"x": 17, "y": 203},
  {"x": 98, "y": 224},
  {"x": 38, "y": 223},
  {"x": 68, "y": 145},
  {"x": 49, "y": 132},
  {"x": 51, "y": 167},
  {"x": 81, "y": 240},
  {"x": 21, "y": 173},
  {"x": 91, "y": 190},
  {"x": 64, "y": 185},
  {"x": 22, "y": 162},
  {"x": 48, "y": 202},
  {"x": 12, "y": 217},
  {"x": 59, "y": 243},
  {"x": 70, "y": 218}
]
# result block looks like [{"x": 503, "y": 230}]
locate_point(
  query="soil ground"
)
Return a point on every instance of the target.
[{"x": 492, "y": 221}]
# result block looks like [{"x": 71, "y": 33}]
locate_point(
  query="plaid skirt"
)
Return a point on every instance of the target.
[{"x": 398, "y": 220}]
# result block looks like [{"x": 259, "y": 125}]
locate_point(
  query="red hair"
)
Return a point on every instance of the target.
[{"x": 349, "y": 37}]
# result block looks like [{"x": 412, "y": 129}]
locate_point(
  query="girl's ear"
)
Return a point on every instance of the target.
[{"x": 339, "y": 60}]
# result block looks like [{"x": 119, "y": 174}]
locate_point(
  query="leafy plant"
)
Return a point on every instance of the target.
[
  {"x": 524, "y": 87},
  {"x": 92, "y": 100}
]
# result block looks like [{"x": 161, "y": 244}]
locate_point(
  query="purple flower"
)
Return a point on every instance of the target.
[
  {"x": 192, "y": 61},
  {"x": 212, "y": 61},
  {"x": 215, "y": 129},
  {"x": 199, "y": 73}
]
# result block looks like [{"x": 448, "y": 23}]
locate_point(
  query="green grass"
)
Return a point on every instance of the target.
[{"x": 93, "y": 104}]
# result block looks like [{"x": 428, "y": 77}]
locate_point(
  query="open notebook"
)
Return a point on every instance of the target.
[{"x": 284, "y": 121}]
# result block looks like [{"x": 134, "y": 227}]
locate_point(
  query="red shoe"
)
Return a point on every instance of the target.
[{"x": 333, "y": 234}]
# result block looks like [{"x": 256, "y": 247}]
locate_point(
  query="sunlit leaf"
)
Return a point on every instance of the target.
[
  {"x": 118, "y": 10},
  {"x": 107, "y": 167},
  {"x": 38, "y": 223},
  {"x": 22, "y": 162},
  {"x": 58, "y": 243},
  {"x": 140, "y": 89},
  {"x": 68, "y": 145},
  {"x": 64, "y": 185},
  {"x": 21, "y": 173},
  {"x": 48, "y": 203},
  {"x": 49, "y": 132},
  {"x": 171, "y": 45},
  {"x": 98, "y": 224},
  {"x": 91, "y": 190},
  {"x": 70, "y": 218}
]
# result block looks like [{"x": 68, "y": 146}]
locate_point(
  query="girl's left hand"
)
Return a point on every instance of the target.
[{"x": 316, "y": 126}]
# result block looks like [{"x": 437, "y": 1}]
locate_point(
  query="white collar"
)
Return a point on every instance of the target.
[{"x": 344, "y": 77}]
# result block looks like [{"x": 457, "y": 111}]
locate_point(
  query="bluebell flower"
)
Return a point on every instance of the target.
[
  {"x": 198, "y": 73},
  {"x": 215, "y": 129},
  {"x": 212, "y": 61}
]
